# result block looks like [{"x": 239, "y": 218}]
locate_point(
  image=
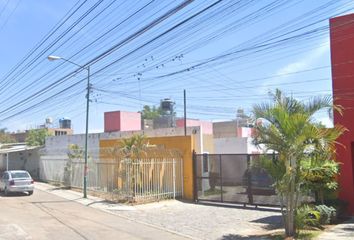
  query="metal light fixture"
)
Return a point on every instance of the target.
[{"x": 53, "y": 58}]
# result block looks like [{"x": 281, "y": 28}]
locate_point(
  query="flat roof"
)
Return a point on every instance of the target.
[{"x": 15, "y": 148}]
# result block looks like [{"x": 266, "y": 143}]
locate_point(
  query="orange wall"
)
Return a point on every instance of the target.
[{"x": 183, "y": 143}]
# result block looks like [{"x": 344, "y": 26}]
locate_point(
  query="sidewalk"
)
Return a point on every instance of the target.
[
  {"x": 91, "y": 201},
  {"x": 339, "y": 232},
  {"x": 196, "y": 221}
]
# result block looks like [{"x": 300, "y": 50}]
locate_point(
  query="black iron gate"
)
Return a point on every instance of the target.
[{"x": 233, "y": 178}]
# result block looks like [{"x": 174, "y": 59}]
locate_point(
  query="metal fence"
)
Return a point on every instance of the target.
[
  {"x": 158, "y": 175},
  {"x": 151, "y": 179},
  {"x": 233, "y": 178}
]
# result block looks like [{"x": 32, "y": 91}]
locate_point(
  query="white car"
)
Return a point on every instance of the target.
[{"x": 16, "y": 181}]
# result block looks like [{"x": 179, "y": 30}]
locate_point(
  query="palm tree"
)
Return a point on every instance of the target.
[
  {"x": 134, "y": 149},
  {"x": 288, "y": 127}
]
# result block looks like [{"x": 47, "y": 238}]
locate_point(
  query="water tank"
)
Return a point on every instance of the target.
[
  {"x": 167, "y": 104},
  {"x": 240, "y": 113},
  {"x": 65, "y": 123},
  {"x": 49, "y": 120}
]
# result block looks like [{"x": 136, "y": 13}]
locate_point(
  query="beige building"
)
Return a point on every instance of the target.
[{"x": 21, "y": 136}]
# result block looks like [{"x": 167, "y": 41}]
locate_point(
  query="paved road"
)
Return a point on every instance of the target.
[{"x": 46, "y": 216}]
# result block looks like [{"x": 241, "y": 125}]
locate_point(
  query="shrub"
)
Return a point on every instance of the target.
[
  {"x": 307, "y": 217},
  {"x": 328, "y": 214},
  {"x": 340, "y": 206}
]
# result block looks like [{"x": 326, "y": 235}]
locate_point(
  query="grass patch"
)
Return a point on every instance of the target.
[
  {"x": 303, "y": 234},
  {"x": 214, "y": 191},
  {"x": 277, "y": 234}
]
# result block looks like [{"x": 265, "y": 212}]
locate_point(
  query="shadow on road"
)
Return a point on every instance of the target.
[
  {"x": 238, "y": 206},
  {"x": 240, "y": 237},
  {"x": 55, "y": 201},
  {"x": 273, "y": 222},
  {"x": 19, "y": 194}
]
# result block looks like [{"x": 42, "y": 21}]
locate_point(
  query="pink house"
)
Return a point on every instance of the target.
[
  {"x": 206, "y": 126},
  {"x": 245, "y": 132},
  {"x": 122, "y": 121}
]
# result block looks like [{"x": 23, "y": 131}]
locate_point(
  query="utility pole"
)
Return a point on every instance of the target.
[
  {"x": 7, "y": 161},
  {"x": 87, "y": 67},
  {"x": 86, "y": 132}
]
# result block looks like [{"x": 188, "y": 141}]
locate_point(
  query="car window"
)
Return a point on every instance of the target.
[
  {"x": 5, "y": 176},
  {"x": 20, "y": 175}
]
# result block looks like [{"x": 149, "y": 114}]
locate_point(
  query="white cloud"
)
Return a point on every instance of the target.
[
  {"x": 326, "y": 121},
  {"x": 292, "y": 67},
  {"x": 305, "y": 62}
]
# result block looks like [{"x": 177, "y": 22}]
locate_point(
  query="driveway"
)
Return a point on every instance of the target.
[
  {"x": 196, "y": 221},
  {"x": 205, "y": 221}
]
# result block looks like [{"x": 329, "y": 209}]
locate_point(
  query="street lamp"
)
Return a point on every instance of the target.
[{"x": 53, "y": 58}]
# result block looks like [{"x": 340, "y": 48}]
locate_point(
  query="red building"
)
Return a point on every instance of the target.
[{"x": 342, "y": 58}]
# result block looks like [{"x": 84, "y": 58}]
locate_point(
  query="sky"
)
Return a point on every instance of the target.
[{"x": 226, "y": 55}]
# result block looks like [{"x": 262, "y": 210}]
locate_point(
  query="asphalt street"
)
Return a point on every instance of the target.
[{"x": 47, "y": 216}]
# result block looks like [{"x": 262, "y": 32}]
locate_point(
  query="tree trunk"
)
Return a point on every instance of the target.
[
  {"x": 289, "y": 224},
  {"x": 283, "y": 213},
  {"x": 290, "y": 215},
  {"x": 291, "y": 200}
]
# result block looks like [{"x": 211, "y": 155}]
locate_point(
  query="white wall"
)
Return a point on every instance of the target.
[
  {"x": 58, "y": 145},
  {"x": 234, "y": 145},
  {"x": 22, "y": 160}
]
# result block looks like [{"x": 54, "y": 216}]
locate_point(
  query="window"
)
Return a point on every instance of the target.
[
  {"x": 60, "y": 133},
  {"x": 20, "y": 175}
]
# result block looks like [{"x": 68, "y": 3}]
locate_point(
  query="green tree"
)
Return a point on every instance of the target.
[
  {"x": 151, "y": 112},
  {"x": 36, "y": 137},
  {"x": 154, "y": 112},
  {"x": 75, "y": 152},
  {"x": 288, "y": 127},
  {"x": 319, "y": 175},
  {"x": 125, "y": 152},
  {"x": 134, "y": 147},
  {"x": 5, "y": 137},
  {"x": 76, "y": 155}
]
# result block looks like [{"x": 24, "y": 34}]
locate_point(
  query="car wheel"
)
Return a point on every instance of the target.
[{"x": 30, "y": 193}]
